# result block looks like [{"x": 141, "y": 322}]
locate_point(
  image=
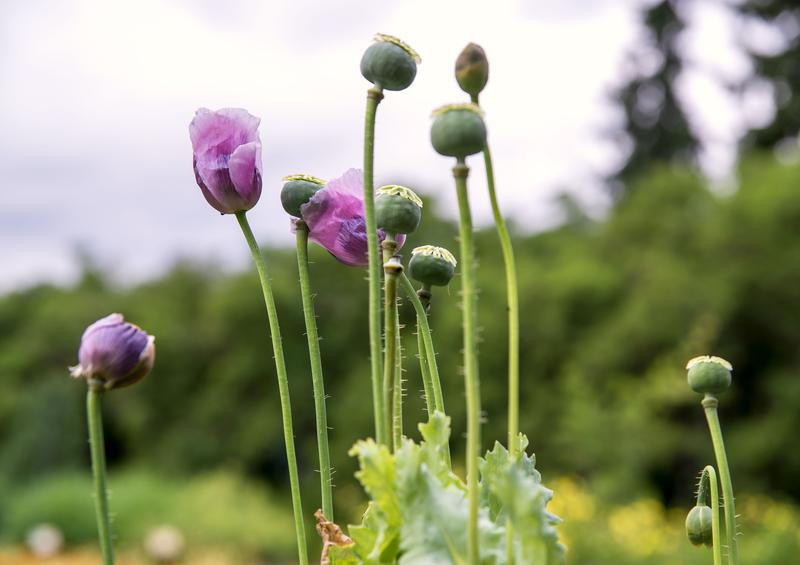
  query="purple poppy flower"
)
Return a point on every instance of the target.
[
  {"x": 114, "y": 353},
  {"x": 227, "y": 158},
  {"x": 335, "y": 219}
]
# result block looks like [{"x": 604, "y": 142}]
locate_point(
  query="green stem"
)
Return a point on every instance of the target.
[
  {"x": 430, "y": 352},
  {"x": 316, "y": 370},
  {"x": 391, "y": 268},
  {"x": 425, "y": 372},
  {"x": 472, "y": 385},
  {"x": 283, "y": 385},
  {"x": 424, "y": 331},
  {"x": 512, "y": 297},
  {"x": 708, "y": 489},
  {"x": 374, "y": 96},
  {"x": 97, "y": 447},
  {"x": 710, "y": 404},
  {"x": 397, "y": 397}
]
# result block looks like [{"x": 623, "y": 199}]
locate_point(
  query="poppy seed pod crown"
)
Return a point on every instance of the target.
[
  {"x": 390, "y": 63},
  {"x": 297, "y": 190},
  {"x": 708, "y": 374},
  {"x": 458, "y": 130},
  {"x": 431, "y": 265},
  {"x": 397, "y": 209}
]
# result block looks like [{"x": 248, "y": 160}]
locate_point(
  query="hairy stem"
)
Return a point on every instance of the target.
[
  {"x": 424, "y": 332},
  {"x": 710, "y": 404},
  {"x": 709, "y": 490},
  {"x": 98, "y": 452},
  {"x": 391, "y": 268},
  {"x": 374, "y": 96},
  {"x": 471, "y": 382},
  {"x": 430, "y": 352},
  {"x": 425, "y": 371},
  {"x": 283, "y": 385},
  {"x": 317, "y": 380},
  {"x": 512, "y": 298},
  {"x": 397, "y": 394}
]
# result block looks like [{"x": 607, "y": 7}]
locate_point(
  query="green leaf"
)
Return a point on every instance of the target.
[
  {"x": 419, "y": 507},
  {"x": 512, "y": 491},
  {"x": 376, "y": 540}
]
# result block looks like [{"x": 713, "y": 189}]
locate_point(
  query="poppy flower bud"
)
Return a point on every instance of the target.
[
  {"x": 397, "y": 209},
  {"x": 114, "y": 353},
  {"x": 698, "y": 526},
  {"x": 458, "y": 130},
  {"x": 709, "y": 374},
  {"x": 472, "y": 69},
  {"x": 227, "y": 158},
  {"x": 431, "y": 265},
  {"x": 297, "y": 190},
  {"x": 390, "y": 63}
]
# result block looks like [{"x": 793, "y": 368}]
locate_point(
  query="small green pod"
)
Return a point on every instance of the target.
[
  {"x": 397, "y": 209},
  {"x": 297, "y": 190},
  {"x": 708, "y": 374},
  {"x": 472, "y": 69},
  {"x": 431, "y": 265},
  {"x": 698, "y": 526},
  {"x": 390, "y": 63},
  {"x": 458, "y": 130}
]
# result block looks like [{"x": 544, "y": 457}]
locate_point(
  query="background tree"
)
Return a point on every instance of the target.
[
  {"x": 655, "y": 125},
  {"x": 780, "y": 67}
]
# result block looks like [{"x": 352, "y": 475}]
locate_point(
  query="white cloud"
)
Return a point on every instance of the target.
[{"x": 97, "y": 96}]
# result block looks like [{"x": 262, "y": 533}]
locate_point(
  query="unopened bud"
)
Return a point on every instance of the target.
[
  {"x": 698, "y": 526},
  {"x": 114, "y": 353},
  {"x": 472, "y": 69}
]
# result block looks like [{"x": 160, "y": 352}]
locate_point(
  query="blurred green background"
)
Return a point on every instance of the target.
[{"x": 612, "y": 309}]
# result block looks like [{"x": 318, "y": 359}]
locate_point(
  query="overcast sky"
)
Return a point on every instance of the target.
[{"x": 96, "y": 97}]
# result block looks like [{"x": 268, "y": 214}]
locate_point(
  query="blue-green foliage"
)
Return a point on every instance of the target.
[{"x": 418, "y": 506}]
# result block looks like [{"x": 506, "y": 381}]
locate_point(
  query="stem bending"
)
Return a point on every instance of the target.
[
  {"x": 283, "y": 385},
  {"x": 710, "y": 404},
  {"x": 709, "y": 490}
]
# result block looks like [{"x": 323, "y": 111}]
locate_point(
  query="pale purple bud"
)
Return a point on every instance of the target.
[
  {"x": 335, "y": 219},
  {"x": 114, "y": 353},
  {"x": 227, "y": 158}
]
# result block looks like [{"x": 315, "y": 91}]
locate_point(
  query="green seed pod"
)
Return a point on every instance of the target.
[
  {"x": 709, "y": 374},
  {"x": 698, "y": 526},
  {"x": 390, "y": 63},
  {"x": 397, "y": 209},
  {"x": 458, "y": 130},
  {"x": 432, "y": 266},
  {"x": 297, "y": 190},
  {"x": 472, "y": 69}
]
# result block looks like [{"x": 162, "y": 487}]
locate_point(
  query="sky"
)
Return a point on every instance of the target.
[{"x": 96, "y": 97}]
